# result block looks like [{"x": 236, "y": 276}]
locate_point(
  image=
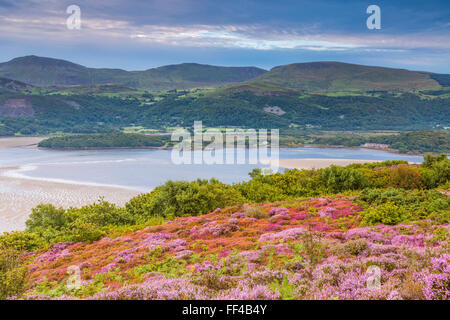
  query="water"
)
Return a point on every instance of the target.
[{"x": 145, "y": 169}]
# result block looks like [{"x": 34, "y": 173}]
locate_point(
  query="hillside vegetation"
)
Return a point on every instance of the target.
[
  {"x": 111, "y": 140},
  {"x": 96, "y": 113},
  {"x": 203, "y": 240}
]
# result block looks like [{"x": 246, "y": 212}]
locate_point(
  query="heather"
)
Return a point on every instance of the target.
[
  {"x": 356, "y": 232},
  {"x": 315, "y": 248}
]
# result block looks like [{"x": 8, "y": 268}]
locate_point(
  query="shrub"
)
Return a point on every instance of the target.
[
  {"x": 406, "y": 178},
  {"x": 387, "y": 213},
  {"x": 256, "y": 213},
  {"x": 22, "y": 240},
  {"x": 13, "y": 272},
  {"x": 353, "y": 247},
  {"x": 338, "y": 179},
  {"x": 88, "y": 223},
  {"x": 46, "y": 216},
  {"x": 182, "y": 198},
  {"x": 419, "y": 204}
]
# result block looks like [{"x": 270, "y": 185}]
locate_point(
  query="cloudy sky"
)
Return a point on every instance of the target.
[{"x": 138, "y": 34}]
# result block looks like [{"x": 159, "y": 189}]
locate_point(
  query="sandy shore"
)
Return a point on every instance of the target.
[
  {"x": 14, "y": 142},
  {"x": 18, "y": 196},
  {"x": 318, "y": 163}
]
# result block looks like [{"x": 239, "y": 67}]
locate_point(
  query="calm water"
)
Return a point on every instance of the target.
[{"x": 145, "y": 169}]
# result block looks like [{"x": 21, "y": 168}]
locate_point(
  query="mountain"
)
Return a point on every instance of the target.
[
  {"x": 311, "y": 76},
  {"x": 109, "y": 100},
  {"x": 338, "y": 76},
  {"x": 42, "y": 71}
]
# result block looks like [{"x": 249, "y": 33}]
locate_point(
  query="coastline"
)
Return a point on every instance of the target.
[
  {"x": 19, "y": 195},
  {"x": 246, "y": 147}
]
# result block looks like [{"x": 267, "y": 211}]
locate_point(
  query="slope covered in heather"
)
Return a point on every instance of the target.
[
  {"x": 309, "y": 234},
  {"x": 310, "y": 249}
]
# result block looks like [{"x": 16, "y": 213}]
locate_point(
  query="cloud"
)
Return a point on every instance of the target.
[
  {"x": 257, "y": 37},
  {"x": 296, "y": 26}
]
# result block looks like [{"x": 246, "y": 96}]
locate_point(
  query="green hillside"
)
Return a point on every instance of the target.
[
  {"x": 41, "y": 71},
  {"x": 97, "y": 113},
  {"x": 337, "y": 76}
]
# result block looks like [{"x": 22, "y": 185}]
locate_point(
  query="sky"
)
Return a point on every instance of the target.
[{"x": 138, "y": 34}]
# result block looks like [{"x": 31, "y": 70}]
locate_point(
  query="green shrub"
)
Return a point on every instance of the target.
[
  {"x": 13, "y": 272},
  {"x": 88, "y": 223},
  {"x": 46, "y": 216},
  {"x": 182, "y": 198},
  {"x": 22, "y": 240},
  {"x": 338, "y": 179},
  {"x": 387, "y": 213},
  {"x": 419, "y": 204}
]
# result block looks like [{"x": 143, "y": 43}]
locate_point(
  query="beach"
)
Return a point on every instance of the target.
[
  {"x": 22, "y": 142},
  {"x": 18, "y": 196},
  {"x": 317, "y": 163}
]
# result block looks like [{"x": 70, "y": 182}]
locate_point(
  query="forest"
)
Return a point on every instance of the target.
[{"x": 63, "y": 112}]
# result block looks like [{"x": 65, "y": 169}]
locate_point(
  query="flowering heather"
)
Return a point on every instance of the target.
[{"x": 317, "y": 248}]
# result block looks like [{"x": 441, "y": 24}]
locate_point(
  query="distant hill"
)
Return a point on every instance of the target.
[
  {"x": 42, "y": 71},
  {"x": 337, "y": 76},
  {"x": 281, "y": 80}
]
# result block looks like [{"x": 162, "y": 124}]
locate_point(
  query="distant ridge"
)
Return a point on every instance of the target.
[
  {"x": 41, "y": 71},
  {"x": 324, "y": 76},
  {"x": 339, "y": 76}
]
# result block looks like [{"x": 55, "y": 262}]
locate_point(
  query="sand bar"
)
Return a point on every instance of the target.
[
  {"x": 14, "y": 142},
  {"x": 18, "y": 196},
  {"x": 318, "y": 163}
]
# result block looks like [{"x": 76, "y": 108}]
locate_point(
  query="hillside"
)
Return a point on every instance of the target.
[
  {"x": 337, "y": 76},
  {"x": 42, "y": 71},
  {"x": 12, "y": 85},
  {"x": 291, "y": 235},
  {"x": 106, "y": 112}
]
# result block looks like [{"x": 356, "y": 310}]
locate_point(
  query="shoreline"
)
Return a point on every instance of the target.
[
  {"x": 20, "y": 142},
  {"x": 205, "y": 149},
  {"x": 18, "y": 196},
  {"x": 20, "y": 193}
]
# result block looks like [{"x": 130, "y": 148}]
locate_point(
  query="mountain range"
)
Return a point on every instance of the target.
[
  {"x": 44, "y": 96},
  {"x": 40, "y": 71},
  {"x": 312, "y": 76}
]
